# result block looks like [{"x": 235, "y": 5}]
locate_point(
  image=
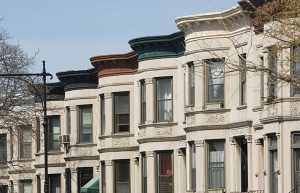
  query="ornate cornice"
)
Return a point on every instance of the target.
[
  {"x": 115, "y": 64},
  {"x": 154, "y": 47}
]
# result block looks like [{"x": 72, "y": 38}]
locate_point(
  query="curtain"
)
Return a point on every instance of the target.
[
  {"x": 164, "y": 99},
  {"x": 216, "y": 82},
  {"x": 216, "y": 165}
]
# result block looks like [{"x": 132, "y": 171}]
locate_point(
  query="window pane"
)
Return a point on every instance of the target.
[
  {"x": 164, "y": 89},
  {"x": 3, "y": 148},
  {"x": 191, "y": 78},
  {"x": 3, "y": 189},
  {"x": 121, "y": 110},
  {"x": 296, "y": 139},
  {"x": 297, "y": 167},
  {"x": 216, "y": 165},
  {"x": 54, "y": 180},
  {"x": 143, "y": 102},
  {"x": 216, "y": 81},
  {"x": 122, "y": 180},
  {"x": 122, "y": 104},
  {"x": 84, "y": 176},
  {"x": 144, "y": 173},
  {"x": 272, "y": 78},
  {"x": 86, "y": 114},
  {"x": 165, "y": 110},
  {"x": 25, "y": 142},
  {"x": 86, "y": 124},
  {"x": 274, "y": 176},
  {"x": 102, "y": 114},
  {"x": 164, "y": 102},
  {"x": 54, "y": 133},
  {"x": 165, "y": 173},
  {"x": 26, "y": 186},
  {"x": 296, "y": 58}
]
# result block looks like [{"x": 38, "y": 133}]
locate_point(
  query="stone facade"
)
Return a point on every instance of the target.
[{"x": 158, "y": 120}]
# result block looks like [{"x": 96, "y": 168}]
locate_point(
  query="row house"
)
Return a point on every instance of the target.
[{"x": 179, "y": 113}]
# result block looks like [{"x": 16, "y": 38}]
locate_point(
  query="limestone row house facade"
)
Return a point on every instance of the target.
[{"x": 164, "y": 118}]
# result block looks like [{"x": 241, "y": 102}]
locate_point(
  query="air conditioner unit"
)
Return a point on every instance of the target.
[{"x": 64, "y": 139}]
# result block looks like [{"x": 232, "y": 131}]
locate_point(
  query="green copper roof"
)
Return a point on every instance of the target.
[{"x": 159, "y": 46}]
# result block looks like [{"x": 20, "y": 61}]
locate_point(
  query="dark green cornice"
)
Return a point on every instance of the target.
[{"x": 154, "y": 47}]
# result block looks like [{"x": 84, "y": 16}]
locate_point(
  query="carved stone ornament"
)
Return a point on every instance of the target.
[
  {"x": 295, "y": 108},
  {"x": 272, "y": 109},
  {"x": 239, "y": 131},
  {"x": 117, "y": 142},
  {"x": 107, "y": 95},
  {"x": 190, "y": 119},
  {"x": 149, "y": 153},
  {"x": 248, "y": 138},
  {"x": 179, "y": 152},
  {"x": 232, "y": 141},
  {"x": 258, "y": 142},
  {"x": 142, "y": 133},
  {"x": 102, "y": 144},
  {"x": 164, "y": 132},
  {"x": 199, "y": 143},
  {"x": 108, "y": 163},
  {"x": 73, "y": 170},
  {"x": 215, "y": 118},
  {"x": 149, "y": 80},
  {"x": 135, "y": 160}
]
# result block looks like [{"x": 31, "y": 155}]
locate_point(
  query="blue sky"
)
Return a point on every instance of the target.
[{"x": 68, "y": 32}]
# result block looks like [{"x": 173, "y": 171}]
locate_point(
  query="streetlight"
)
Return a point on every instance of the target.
[{"x": 44, "y": 75}]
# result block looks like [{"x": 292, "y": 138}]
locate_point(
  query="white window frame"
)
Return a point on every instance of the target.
[
  {"x": 53, "y": 137},
  {"x": 159, "y": 100},
  {"x": 117, "y": 126},
  {"x": 83, "y": 126}
]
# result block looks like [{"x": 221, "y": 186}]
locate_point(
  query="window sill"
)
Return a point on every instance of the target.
[
  {"x": 84, "y": 145},
  {"x": 116, "y": 135},
  {"x": 214, "y": 106},
  {"x": 242, "y": 107},
  {"x": 160, "y": 124},
  {"x": 50, "y": 153}
]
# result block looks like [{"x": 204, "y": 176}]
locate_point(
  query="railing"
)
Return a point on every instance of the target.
[{"x": 295, "y": 190}]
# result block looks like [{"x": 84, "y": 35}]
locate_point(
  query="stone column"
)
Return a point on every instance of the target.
[
  {"x": 266, "y": 170},
  {"x": 108, "y": 113},
  {"x": 249, "y": 160},
  {"x": 259, "y": 166},
  {"x": 74, "y": 181},
  {"x": 280, "y": 163},
  {"x": 178, "y": 174},
  {"x": 109, "y": 176},
  {"x": 74, "y": 125},
  {"x": 150, "y": 171},
  {"x": 188, "y": 168},
  {"x": 149, "y": 83},
  {"x": 186, "y": 85},
  {"x": 136, "y": 175},
  {"x": 233, "y": 176},
  {"x": 200, "y": 166},
  {"x": 199, "y": 84}
]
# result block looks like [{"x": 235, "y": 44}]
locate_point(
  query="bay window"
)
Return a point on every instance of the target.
[
  {"x": 121, "y": 112},
  {"x": 216, "y": 166},
  {"x": 85, "y": 124},
  {"x": 164, "y": 100},
  {"x": 215, "y": 80}
]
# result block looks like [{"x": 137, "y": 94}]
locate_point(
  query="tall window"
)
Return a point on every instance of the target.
[
  {"x": 296, "y": 69},
  {"x": 243, "y": 79},
  {"x": 103, "y": 177},
  {"x": 216, "y": 174},
  {"x": 121, "y": 112},
  {"x": 54, "y": 183},
  {"x": 215, "y": 80},
  {"x": 86, "y": 124},
  {"x": 165, "y": 183},
  {"x": 144, "y": 173},
  {"x": 38, "y": 134},
  {"x": 191, "y": 83},
  {"x": 272, "y": 78},
  {"x": 84, "y": 176},
  {"x": 122, "y": 176},
  {"x": 296, "y": 159},
  {"x": 25, "y": 142},
  {"x": 102, "y": 113},
  {"x": 54, "y": 133},
  {"x": 164, "y": 100},
  {"x": 68, "y": 180},
  {"x": 262, "y": 87},
  {"x": 193, "y": 165},
  {"x": 25, "y": 186},
  {"x": 3, "y": 148},
  {"x": 273, "y": 163},
  {"x": 143, "y": 101},
  {"x": 68, "y": 117}
]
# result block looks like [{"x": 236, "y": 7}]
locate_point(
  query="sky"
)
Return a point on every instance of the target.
[{"x": 66, "y": 33}]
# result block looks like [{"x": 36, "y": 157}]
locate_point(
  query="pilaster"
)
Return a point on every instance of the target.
[
  {"x": 233, "y": 177},
  {"x": 150, "y": 171},
  {"x": 109, "y": 176},
  {"x": 249, "y": 157},
  {"x": 149, "y": 83},
  {"x": 74, "y": 124},
  {"x": 108, "y": 101},
  {"x": 200, "y": 169}
]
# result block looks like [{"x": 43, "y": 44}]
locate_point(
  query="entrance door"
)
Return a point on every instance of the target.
[{"x": 244, "y": 164}]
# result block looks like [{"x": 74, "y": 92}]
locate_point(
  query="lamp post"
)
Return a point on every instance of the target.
[{"x": 44, "y": 75}]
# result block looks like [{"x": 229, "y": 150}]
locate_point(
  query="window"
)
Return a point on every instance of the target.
[
  {"x": 54, "y": 133},
  {"x": 272, "y": 78},
  {"x": 84, "y": 176},
  {"x": 165, "y": 183},
  {"x": 243, "y": 79},
  {"x": 216, "y": 170},
  {"x": 103, "y": 177},
  {"x": 3, "y": 148},
  {"x": 68, "y": 117},
  {"x": 191, "y": 83},
  {"x": 38, "y": 183},
  {"x": 273, "y": 164},
  {"x": 54, "y": 183},
  {"x": 68, "y": 180},
  {"x": 262, "y": 87},
  {"x": 296, "y": 159},
  {"x": 86, "y": 124},
  {"x": 3, "y": 188},
  {"x": 121, "y": 112},
  {"x": 25, "y": 142},
  {"x": 102, "y": 114},
  {"x": 193, "y": 165},
  {"x": 296, "y": 69},
  {"x": 143, "y": 101},
  {"x": 144, "y": 173},
  {"x": 215, "y": 80},
  {"x": 164, "y": 100},
  {"x": 38, "y": 134},
  {"x": 25, "y": 186},
  {"x": 122, "y": 176}
]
